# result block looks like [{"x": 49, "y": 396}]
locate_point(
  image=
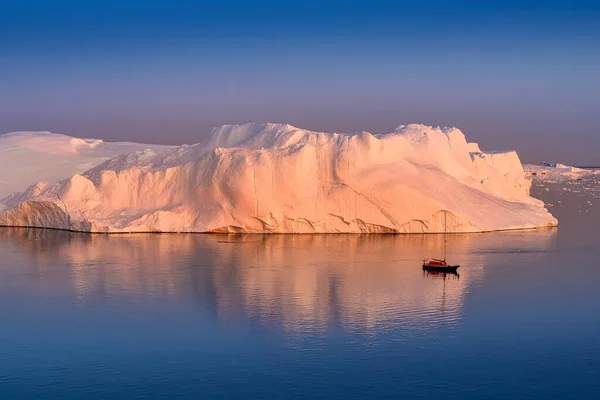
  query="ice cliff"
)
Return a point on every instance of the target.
[{"x": 281, "y": 179}]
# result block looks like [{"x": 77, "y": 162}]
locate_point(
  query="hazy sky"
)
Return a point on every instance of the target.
[{"x": 511, "y": 74}]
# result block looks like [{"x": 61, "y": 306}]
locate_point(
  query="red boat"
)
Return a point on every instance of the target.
[{"x": 435, "y": 264}]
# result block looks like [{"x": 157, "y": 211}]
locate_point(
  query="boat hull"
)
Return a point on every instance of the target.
[{"x": 441, "y": 268}]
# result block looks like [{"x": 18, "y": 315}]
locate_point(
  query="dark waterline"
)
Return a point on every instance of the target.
[{"x": 318, "y": 316}]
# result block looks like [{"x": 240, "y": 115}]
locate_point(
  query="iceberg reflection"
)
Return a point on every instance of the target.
[{"x": 303, "y": 284}]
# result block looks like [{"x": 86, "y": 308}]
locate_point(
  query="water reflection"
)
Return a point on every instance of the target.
[
  {"x": 303, "y": 284},
  {"x": 442, "y": 275}
]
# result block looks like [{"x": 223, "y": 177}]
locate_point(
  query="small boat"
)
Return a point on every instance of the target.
[
  {"x": 441, "y": 274},
  {"x": 440, "y": 265},
  {"x": 433, "y": 264}
]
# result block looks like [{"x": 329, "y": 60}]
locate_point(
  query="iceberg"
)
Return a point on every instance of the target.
[{"x": 276, "y": 178}]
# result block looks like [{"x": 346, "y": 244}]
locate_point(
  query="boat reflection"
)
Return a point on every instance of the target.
[{"x": 441, "y": 275}]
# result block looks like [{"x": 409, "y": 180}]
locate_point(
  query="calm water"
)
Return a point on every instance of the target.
[{"x": 340, "y": 316}]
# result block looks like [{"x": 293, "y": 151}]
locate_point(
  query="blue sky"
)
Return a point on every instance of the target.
[{"x": 509, "y": 74}]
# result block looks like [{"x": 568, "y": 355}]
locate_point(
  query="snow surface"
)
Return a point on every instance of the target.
[{"x": 280, "y": 179}]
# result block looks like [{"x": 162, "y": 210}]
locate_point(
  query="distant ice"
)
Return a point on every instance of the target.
[
  {"x": 556, "y": 172},
  {"x": 29, "y": 157}
]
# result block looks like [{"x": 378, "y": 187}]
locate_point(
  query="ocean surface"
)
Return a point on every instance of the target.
[{"x": 185, "y": 316}]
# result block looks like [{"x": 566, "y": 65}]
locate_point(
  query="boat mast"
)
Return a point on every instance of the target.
[{"x": 445, "y": 240}]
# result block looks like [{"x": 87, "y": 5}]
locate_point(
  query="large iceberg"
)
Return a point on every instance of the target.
[{"x": 273, "y": 178}]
